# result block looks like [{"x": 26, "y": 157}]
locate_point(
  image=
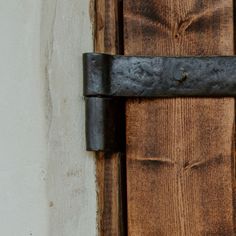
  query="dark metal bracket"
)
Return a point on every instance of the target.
[{"x": 108, "y": 80}]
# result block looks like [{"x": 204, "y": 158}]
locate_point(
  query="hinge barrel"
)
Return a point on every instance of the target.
[
  {"x": 104, "y": 124},
  {"x": 96, "y": 74}
]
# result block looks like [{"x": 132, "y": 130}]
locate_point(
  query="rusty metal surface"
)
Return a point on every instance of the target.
[
  {"x": 125, "y": 76},
  {"x": 108, "y": 80}
]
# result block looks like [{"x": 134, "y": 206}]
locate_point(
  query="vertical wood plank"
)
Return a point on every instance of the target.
[
  {"x": 109, "y": 184},
  {"x": 179, "y": 151}
]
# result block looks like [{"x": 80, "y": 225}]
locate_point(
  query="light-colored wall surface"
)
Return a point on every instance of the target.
[{"x": 47, "y": 179}]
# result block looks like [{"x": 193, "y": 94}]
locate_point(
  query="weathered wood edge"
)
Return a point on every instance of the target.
[{"x": 108, "y": 166}]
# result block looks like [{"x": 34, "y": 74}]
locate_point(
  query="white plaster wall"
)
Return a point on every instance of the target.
[{"x": 47, "y": 180}]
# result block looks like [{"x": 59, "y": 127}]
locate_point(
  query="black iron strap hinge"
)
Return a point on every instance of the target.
[{"x": 108, "y": 80}]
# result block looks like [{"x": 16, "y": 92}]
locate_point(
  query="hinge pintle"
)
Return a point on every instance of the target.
[{"x": 104, "y": 124}]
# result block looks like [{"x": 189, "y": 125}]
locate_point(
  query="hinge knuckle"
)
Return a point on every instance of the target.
[
  {"x": 104, "y": 126},
  {"x": 96, "y": 74}
]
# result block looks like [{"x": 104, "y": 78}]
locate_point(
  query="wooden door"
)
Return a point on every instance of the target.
[{"x": 180, "y": 163}]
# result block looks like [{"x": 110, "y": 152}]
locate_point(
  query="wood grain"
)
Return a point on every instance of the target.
[
  {"x": 108, "y": 166},
  {"x": 179, "y": 151},
  {"x": 107, "y": 28},
  {"x": 109, "y": 194}
]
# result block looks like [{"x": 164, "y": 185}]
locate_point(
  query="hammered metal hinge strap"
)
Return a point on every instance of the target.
[{"x": 109, "y": 79}]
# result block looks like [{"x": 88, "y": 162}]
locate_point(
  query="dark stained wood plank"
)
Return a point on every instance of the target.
[
  {"x": 179, "y": 151},
  {"x": 108, "y": 166},
  {"x": 186, "y": 27},
  {"x": 107, "y": 27},
  {"x": 109, "y": 194}
]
